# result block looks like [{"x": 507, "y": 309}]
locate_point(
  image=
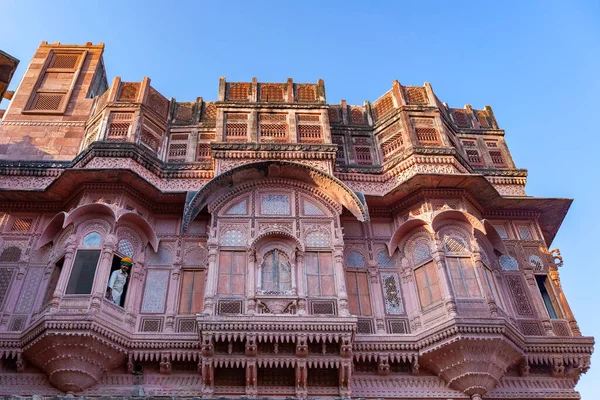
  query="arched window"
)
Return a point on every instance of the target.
[
  {"x": 536, "y": 263},
  {"x": 276, "y": 273},
  {"x": 92, "y": 239}
]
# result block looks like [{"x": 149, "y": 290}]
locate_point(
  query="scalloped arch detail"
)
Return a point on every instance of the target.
[{"x": 254, "y": 173}]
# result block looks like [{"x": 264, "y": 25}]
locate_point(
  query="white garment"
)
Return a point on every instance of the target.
[{"x": 117, "y": 283}]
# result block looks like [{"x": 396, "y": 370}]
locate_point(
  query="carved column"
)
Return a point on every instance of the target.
[
  {"x": 439, "y": 258},
  {"x": 251, "y": 378},
  {"x": 340, "y": 281},
  {"x": 301, "y": 378},
  {"x": 376, "y": 297},
  {"x": 345, "y": 376},
  {"x": 65, "y": 273},
  {"x": 103, "y": 271},
  {"x": 134, "y": 291},
  {"x": 212, "y": 276},
  {"x": 250, "y": 282},
  {"x": 554, "y": 275},
  {"x": 173, "y": 289},
  {"x": 534, "y": 291},
  {"x": 482, "y": 279},
  {"x": 294, "y": 274},
  {"x": 300, "y": 275},
  {"x": 413, "y": 307}
]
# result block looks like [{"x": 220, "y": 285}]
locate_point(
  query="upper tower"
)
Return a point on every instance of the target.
[{"x": 58, "y": 90}]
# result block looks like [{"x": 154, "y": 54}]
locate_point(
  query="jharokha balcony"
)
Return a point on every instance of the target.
[{"x": 281, "y": 246}]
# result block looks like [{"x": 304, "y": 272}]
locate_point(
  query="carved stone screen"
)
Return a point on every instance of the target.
[
  {"x": 155, "y": 292},
  {"x": 392, "y": 296},
  {"x": 275, "y": 204}
]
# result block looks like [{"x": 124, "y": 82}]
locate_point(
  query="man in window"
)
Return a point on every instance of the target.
[{"x": 117, "y": 281}]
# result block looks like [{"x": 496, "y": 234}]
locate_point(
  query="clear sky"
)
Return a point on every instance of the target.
[{"x": 535, "y": 62}]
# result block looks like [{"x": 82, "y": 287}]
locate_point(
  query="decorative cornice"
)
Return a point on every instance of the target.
[{"x": 43, "y": 123}]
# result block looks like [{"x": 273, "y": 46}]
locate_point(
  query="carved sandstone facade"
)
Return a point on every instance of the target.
[{"x": 282, "y": 246}]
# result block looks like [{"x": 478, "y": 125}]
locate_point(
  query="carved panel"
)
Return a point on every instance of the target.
[
  {"x": 391, "y": 293},
  {"x": 6, "y": 275},
  {"x": 155, "y": 292},
  {"x": 520, "y": 298},
  {"x": 29, "y": 290}
]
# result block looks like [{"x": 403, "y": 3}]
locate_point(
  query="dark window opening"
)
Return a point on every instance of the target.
[
  {"x": 83, "y": 271},
  {"x": 547, "y": 297}
]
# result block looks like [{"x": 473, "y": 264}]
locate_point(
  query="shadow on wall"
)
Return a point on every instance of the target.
[{"x": 27, "y": 148}]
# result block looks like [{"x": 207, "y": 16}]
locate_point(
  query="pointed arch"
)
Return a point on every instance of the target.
[
  {"x": 93, "y": 208},
  {"x": 265, "y": 170},
  {"x": 280, "y": 233},
  {"x": 494, "y": 237},
  {"x": 403, "y": 230},
  {"x": 143, "y": 225},
  {"x": 52, "y": 229},
  {"x": 459, "y": 216}
]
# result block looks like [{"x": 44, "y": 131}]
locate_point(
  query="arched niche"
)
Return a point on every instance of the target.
[
  {"x": 267, "y": 240},
  {"x": 87, "y": 209},
  {"x": 52, "y": 229},
  {"x": 403, "y": 230},
  {"x": 443, "y": 217},
  {"x": 254, "y": 174},
  {"x": 142, "y": 225},
  {"x": 494, "y": 237}
]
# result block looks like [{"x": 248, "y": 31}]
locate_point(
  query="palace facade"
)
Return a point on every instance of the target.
[{"x": 282, "y": 246}]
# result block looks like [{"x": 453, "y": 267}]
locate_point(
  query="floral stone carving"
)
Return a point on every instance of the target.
[{"x": 75, "y": 360}]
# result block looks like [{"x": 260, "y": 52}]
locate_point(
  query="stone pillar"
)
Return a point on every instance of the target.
[
  {"x": 445, "y": 285},
  {"x": 482, "y": 280},
  {"x": 173, "y": 289},
  {"x": 300, "y": 275},
  {"x": 294, "y": 274},
  {"x": 212, "y": 275},
  {"x": 554, "y": 275},
  {"x": 251, "y": 282},
  {"x": 251, "y": 378},
  {"x": 103, "y": 270},
  {"x": 61, "y": 286},
  {"x": 534, "y": 291},
  {"x": 301, "y": 378},
  {"x": 340, "y": 281},
  {"x": 413, "y": 308},
  {"x": 376, "y": 297},
  {"x": 134, "y": 291}
]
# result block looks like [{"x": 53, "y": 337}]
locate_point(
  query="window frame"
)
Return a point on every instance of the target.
[
  {"x": 319, "y": 274},
  {"x": 463, "y": 277},
  {"x": 231, "y": 274},
  {"x": 203, "y": 274},
  {"x": 359, "y": 295},
  {"x": 276, "y": 279},
  {"x": 35, "y": 91},
  {"x": 424, "y": 265},
  {"x": 80, "y": 249}
]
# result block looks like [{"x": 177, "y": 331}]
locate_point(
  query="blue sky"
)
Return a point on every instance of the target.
[{"x": 536, "y": 63}]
